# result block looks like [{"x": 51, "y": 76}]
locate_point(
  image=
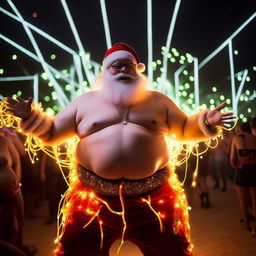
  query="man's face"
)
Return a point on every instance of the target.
[
  {"x": 122, "y": 79},
  {"x": 124, "y": 70},
  {"x": 122, "y": 66}
]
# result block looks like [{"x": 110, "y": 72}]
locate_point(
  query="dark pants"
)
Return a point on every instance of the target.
[
  {"x": 143, "y": 226},
  {"x": 55, "y": 187}
]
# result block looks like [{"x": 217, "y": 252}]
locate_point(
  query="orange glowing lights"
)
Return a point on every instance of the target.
[{"x": 79, "y": 199}]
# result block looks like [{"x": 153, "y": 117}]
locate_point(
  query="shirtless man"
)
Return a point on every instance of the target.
[
  {"x": 14, "y": 138},
  {"x": 10, "y": 193},
  {"x": 122, "y": 128}
]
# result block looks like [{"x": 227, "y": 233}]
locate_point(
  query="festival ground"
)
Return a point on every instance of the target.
[{"x": 215, "y": 231}]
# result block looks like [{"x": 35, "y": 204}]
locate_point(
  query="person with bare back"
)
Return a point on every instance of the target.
[
  {"x": 122, "y": 157},
  {"x": 243, "y": 160}
]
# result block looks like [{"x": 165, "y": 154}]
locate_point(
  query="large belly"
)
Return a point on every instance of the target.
[{"x": 123, "y": 151}]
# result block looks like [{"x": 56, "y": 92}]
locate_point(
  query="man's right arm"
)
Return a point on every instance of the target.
[{"x": 38, "y": 123}]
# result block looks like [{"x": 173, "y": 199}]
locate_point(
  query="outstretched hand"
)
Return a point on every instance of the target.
[
  {"x": 19, "y": 107},
  {"x": 215, "y": 117}
]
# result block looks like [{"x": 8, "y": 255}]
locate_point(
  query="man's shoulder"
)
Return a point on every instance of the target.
[
  {"x": 85, "y": 97},
  {"x": 156, "y": 94},
  {"x": 88, "y": 94},
  {"x": 160, "y": 96}
]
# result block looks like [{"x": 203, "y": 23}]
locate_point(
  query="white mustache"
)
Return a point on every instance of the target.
[{"x": 119, "y": 75}]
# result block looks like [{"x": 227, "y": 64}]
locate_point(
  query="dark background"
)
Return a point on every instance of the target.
[{"x": 200, "y": 28}]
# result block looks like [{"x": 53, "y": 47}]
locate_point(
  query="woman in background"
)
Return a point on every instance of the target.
[{"x": 243, "y": 159}]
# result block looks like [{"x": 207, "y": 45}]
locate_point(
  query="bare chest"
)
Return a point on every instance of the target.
[{"x": 102, "y": 116}]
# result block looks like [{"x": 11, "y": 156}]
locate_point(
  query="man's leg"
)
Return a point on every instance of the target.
[
  {"x": 152, "y": 242},
  {"x": 78, "y": 240},
  {"x": 143, "y": 227}
]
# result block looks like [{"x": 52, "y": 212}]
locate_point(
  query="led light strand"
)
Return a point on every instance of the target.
[
  {"x": 76, "y": 193},
  {"x": 154, "y": 211}
]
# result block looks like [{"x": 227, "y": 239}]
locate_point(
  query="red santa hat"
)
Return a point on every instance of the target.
[{"x": 119, "y": 51}]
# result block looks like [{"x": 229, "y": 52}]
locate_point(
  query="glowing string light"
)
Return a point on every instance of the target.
[
  {"x": 75, "y": 194},
  {"x": 33, "y": 145},
  {"x": 196, "y": 83},
  {"x": 25, "y": 78},
  {"x": 154, "y": 211},
  {"x": 169, "y": 39},
  {"x": 177, "y": 83},
  {"x": 78, "y": 41},
  {"x": 225, "y": 43},
  {"x": 63, "y": 99},
  {"x": 150, "y": 42},
  {"x": 105, "y": 23},
  {"x": 240, "y": 88},
  {"x": 163, "y": 85}
]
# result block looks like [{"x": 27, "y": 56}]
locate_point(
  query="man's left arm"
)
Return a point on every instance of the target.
[{"x": 198, "y": 127}]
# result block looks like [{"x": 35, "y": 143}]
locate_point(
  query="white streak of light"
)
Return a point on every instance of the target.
[
  {"x": 105, "y": 22},
  {"x": 150, "y": 42},
  {"x": 169, "y": 37},
  {"x": 196, "y": 83}
]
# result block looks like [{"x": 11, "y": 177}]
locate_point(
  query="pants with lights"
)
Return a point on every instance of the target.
[{"x": 94, "y": 222}]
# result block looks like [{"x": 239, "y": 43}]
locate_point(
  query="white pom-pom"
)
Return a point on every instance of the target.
[{"x": 141, "y": 67}]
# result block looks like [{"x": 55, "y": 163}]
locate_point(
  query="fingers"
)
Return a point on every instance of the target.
[
  {"x": 228, "y": 117},
  {"x": 221, "y": 106},
  {"x": 227, "y": 122},
  {"x": 30, "y": 100},
  {"x": 11, "y": 101},
  {"x": 20, "y": 99},
  {"x": 227, "y": 114}
]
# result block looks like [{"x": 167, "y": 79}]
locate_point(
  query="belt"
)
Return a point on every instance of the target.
[{"x": 130, "y": 188}]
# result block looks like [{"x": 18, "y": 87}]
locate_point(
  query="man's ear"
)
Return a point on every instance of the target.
[{"x": 141, "y": 67}]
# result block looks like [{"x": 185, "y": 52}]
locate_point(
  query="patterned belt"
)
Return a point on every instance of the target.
[{"x": 130, "y": 188}]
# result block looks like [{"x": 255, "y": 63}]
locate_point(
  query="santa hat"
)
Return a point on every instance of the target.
[{"x": 122, "y": 50}]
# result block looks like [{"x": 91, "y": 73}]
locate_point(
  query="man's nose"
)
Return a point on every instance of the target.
[{"x": 124, "y": 69}]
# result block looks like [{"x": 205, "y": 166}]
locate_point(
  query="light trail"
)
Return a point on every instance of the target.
[
  {"x": 226, "y": 42},
  {"x": 169, "y": 39},
  {"x": 63, "y": 100},
  {"x": 150, "y": 42},
  {"x": 105, "y": 23}
]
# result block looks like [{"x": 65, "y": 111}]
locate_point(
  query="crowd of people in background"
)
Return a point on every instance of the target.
[
  {"x": 231, "y": 163},
  {"x": 24, "y": 185}
]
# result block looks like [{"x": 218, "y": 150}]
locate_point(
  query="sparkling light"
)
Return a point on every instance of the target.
[
  {"x": 84, "y": 65},
  {"x": 53, "y": 56},
  {"x": 14, "y": 57},
  {"x": 78, "y": 193}
]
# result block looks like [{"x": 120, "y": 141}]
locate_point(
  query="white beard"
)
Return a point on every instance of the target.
[{"x": 123, "y": 92}]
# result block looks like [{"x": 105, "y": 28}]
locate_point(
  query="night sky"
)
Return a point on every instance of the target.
[{"x": 200, "y": 28}]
